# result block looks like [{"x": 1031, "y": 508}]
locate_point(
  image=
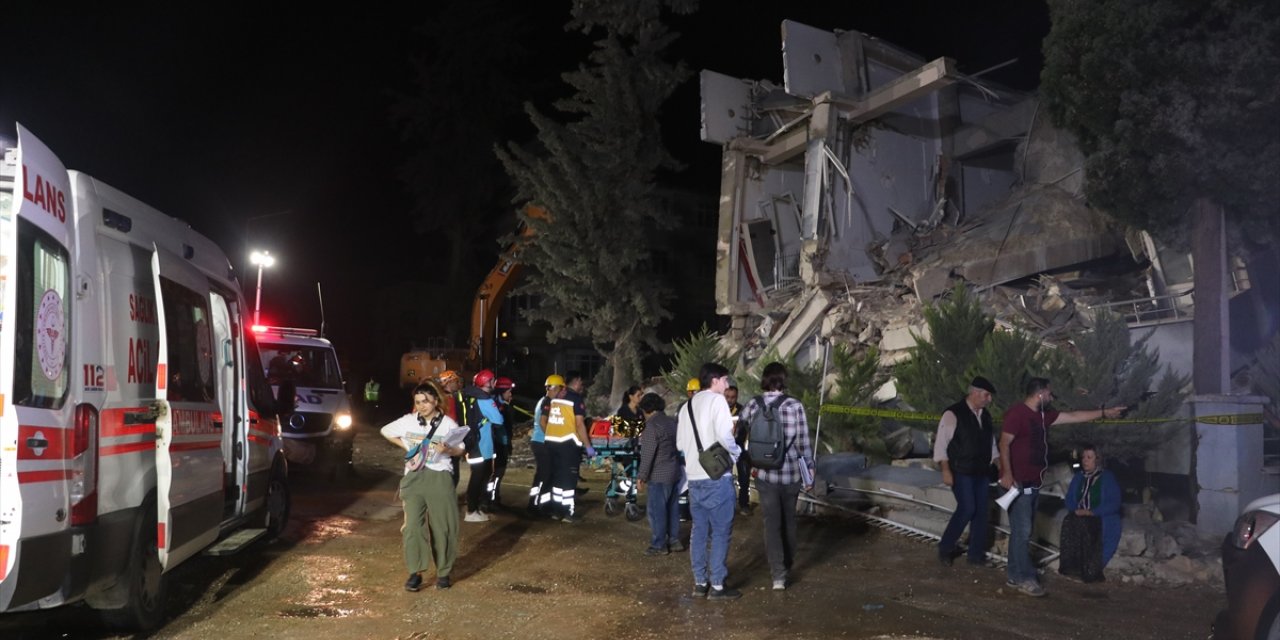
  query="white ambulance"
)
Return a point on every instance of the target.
[
  {"x": 317, "y": 430},
  {"x": 136, "y": 427}
]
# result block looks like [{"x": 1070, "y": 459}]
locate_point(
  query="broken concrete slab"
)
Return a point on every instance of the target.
[{"x": 1036, "y": 230}]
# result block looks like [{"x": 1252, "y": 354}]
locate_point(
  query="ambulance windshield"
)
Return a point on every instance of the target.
[{"x": 313, "y": 367}]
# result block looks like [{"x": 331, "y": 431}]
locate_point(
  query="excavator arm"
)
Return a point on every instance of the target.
[{"x": 491, "y": 293}]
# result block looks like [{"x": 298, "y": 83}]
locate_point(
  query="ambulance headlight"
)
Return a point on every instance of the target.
[{"x": 342, "y": 421}]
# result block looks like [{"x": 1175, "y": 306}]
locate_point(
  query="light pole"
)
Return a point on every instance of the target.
[{"x": 263, "y": 259}]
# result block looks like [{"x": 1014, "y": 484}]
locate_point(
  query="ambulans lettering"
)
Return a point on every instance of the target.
[
  {"x": 142, "y": 310},
  {"x": 190, "y": 422},
  {"x": 141, "y": 364},
  {"x": 44, "y": 194}
]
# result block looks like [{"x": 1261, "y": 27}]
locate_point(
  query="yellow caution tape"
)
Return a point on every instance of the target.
[
  {"x": 879, "y": 413},
  {"x": 522, "y": 411},
  {"x": 1240, "y": 418}
]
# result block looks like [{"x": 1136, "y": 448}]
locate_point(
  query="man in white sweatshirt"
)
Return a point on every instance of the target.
[{"x": 711, "y": 501}]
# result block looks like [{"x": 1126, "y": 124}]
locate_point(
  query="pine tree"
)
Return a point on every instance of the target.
[
  {"x": 687, "y": 358},
  {"x": 594, "y": 172},
  {"x": 936, "y": 374},
  {"x": 1106, "y": 369},
  {"x": 857, "y": 376},
  {"x": 1008, "y": 359}
]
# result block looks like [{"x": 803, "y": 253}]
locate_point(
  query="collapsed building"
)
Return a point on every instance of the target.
[{"x": 872, "y": 180}]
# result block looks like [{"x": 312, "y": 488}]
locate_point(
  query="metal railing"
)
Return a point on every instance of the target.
[{"x": 1151, "y": 310}]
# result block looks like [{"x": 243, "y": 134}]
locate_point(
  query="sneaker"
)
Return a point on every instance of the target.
[
  {"x": 476, "y": 516},
  {"x": 676, "y": 546},
  {"x": 700, "y": 590},
  {"x": 444, "y": 583},
  {"x": 574, "y": 519},
  {"x": 724, "y": 593},
  {"x": 654, "y": 551},
  {"x": 1032, "y": 589},
  {"x": 779, "y": 585},
  {"x": 413, "y": 583},
  {"x": 744, "y": 511}
]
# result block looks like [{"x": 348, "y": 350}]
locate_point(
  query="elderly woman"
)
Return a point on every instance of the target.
[{"x": 1091, "y": 530}]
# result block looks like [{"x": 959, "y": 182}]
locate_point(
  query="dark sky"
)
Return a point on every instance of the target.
[{"x": 273, "y": 131}]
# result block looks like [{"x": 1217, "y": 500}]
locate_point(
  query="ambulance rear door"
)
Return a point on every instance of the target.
[
  {"x": 42, "y": 456},
  {"x": 189, "y": 462}
]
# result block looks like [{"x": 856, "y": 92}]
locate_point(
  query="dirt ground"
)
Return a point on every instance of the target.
[{"x": 338, "y": 573}]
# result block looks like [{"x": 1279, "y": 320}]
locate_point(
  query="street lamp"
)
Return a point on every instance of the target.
[{"x": 264, "y": 260}]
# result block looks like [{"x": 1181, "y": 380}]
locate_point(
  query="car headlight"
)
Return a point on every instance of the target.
[
  {"x": 342, "y": 421},
  {"x": 1250, "y": 526}
]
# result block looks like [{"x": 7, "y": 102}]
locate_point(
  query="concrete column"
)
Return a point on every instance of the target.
[
  {"x": 1212, "y": 350},
  {"x": 1228, "y": 458}
]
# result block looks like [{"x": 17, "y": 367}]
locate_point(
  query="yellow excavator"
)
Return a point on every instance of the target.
[{"x": 421, "y": 364}]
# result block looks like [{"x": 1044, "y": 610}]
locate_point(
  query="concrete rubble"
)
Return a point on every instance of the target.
[
  {"x": 872, "y": 181},
  {"x": 1151, "y": 549}
]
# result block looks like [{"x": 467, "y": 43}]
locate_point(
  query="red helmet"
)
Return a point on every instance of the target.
[
  {"x": 483, "y": 378},
  {"x": 504, "y": 383}
]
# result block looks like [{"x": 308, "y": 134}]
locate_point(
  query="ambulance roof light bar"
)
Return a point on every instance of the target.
[{"x": 286, "y": 332}]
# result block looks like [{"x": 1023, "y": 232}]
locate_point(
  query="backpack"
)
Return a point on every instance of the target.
[{"x": 766, "y": 444}]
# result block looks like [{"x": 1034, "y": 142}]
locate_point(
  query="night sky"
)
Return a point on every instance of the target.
[{"x": 274, "y": 131}]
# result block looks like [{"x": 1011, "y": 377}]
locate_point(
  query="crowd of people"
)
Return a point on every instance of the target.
[{"x": 701, "y": 452}]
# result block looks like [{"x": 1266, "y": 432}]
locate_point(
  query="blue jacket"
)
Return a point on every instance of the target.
[
  {"x": 489, "y": 415},
  {"x": 1108, "y": 509}
]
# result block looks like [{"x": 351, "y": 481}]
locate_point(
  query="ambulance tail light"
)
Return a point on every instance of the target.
[{"x": 83, "y": 491}]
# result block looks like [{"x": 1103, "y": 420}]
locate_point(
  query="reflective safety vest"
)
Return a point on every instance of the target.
[
  {"x": 560, "y": 422},
  {"x": 371, "y": 389}
]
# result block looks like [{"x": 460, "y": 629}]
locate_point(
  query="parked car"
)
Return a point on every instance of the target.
[{"x": 1251, "y": 566}]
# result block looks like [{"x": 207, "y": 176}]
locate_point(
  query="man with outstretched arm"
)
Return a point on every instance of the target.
[{"x": 1024, "y": 455}]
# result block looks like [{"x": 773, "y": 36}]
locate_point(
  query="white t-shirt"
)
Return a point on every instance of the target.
[{"x": 408, "y": 431}]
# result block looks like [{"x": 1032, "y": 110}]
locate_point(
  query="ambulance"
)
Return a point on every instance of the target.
[
  {"x": 317, "y": 429},
  {"x": 136, "y": 426}
]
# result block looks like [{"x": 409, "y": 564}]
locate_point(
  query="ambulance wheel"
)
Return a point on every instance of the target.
[
  {"x": 143, "y": 580},
  {"x": 611, "y": 506},
  {"x": 275, "y": 512},
  {"x": 633, "y": 512}
]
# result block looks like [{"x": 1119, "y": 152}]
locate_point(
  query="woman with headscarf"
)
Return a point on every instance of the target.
[{"x": 1091, "y": 530}]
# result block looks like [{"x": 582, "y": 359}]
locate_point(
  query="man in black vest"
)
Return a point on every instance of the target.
[{"x": 964, "y": 448}]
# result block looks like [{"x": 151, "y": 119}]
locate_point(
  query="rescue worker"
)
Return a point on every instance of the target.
[
  {"x": 743, "y": 465},
  {"x": 692, "y": 387},
  {"x": 482, "y": 416},
  {"x": 502, "y": 437},
  {"x": 540, "y": 492},
  {"x": 565, "y": 437},
  {"x": 451, "y": 383}
]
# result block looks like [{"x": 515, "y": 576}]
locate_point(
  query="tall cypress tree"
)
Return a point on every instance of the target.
[{"x": 594, "y": 169}]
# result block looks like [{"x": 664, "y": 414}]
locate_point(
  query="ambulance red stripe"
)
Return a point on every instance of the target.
[
  {"x": 193, "y": 446},
  {"x": 131, "y": 447},
  {"x": 52, "y": 475}
]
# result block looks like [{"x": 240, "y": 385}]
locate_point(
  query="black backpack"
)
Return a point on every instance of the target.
[{"x": 767, "y": 447}]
